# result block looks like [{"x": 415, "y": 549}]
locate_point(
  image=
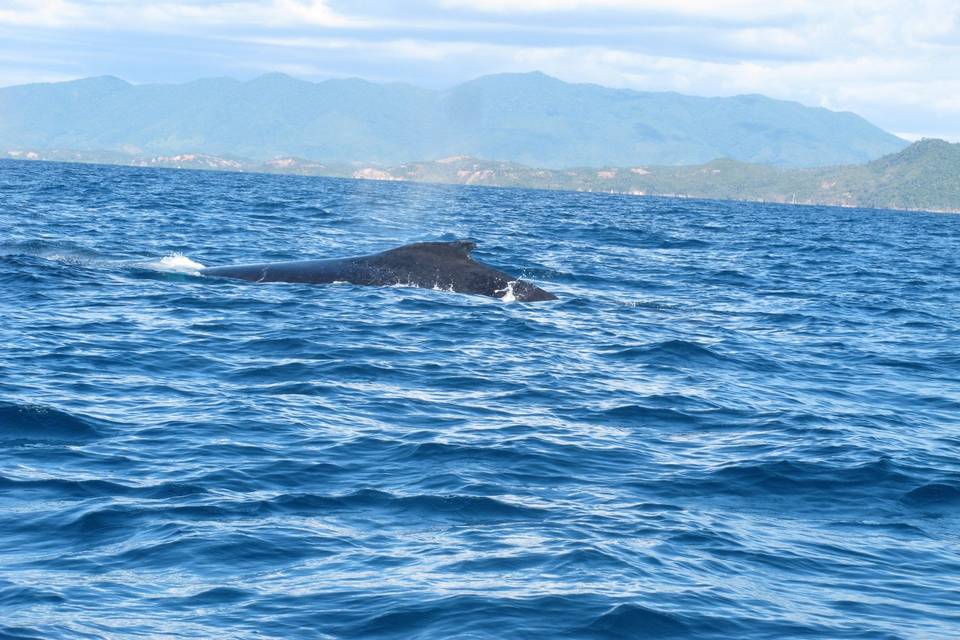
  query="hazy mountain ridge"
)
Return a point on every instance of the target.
[
  {"x": 925, "y": 176},
  {"x": 528, "y": 118}
]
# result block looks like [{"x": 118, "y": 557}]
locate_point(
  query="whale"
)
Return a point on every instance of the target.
[{"x": 445, "y": 266}]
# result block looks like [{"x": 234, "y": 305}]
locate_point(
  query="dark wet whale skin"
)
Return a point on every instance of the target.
[{"x": 429, "y": 265}]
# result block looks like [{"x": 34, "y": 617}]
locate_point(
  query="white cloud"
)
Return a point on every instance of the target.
[
  {"x": 40, "y": 13},
  {"x": 266, "y": 14},
  {"x": 401, "y": 48},
  {"x": 740, "y": 10},
  {"x": 892, "y": 61},
  {"x": 152, "y": 14}
]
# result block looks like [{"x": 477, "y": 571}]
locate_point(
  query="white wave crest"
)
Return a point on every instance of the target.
[{"x": 176, "y": 263}]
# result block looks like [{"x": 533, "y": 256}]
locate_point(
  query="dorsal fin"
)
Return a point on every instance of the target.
[{"x": 460, "y": 248}]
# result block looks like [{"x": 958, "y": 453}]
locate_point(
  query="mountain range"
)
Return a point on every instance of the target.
[{"x": 528, "y": 118}]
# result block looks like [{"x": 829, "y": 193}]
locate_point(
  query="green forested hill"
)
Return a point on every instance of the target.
[{"x": 926, "y": 175}]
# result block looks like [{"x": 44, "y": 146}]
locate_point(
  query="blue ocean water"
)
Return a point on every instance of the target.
[{"x": 738, "y": 420}]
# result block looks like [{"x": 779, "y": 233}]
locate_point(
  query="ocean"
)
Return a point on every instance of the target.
[{"x": 737, "y": 421}]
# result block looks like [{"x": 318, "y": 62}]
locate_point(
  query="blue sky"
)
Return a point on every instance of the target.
[{"x": 894, "y": 62}]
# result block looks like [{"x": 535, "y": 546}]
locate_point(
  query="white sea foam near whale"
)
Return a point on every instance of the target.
[
  {"x": 176, "y": 263},
  {"x": 54, "y": 250},
  {"x": 508, "y": 295}
]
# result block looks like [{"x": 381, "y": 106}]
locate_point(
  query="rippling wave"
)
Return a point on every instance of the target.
[{"x": 737, "y": 421}]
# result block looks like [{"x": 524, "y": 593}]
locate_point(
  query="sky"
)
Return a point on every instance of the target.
[{"x": 894, "y": 62}]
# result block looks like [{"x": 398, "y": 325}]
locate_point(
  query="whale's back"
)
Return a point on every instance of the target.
[{"x": 445, "y": 266}]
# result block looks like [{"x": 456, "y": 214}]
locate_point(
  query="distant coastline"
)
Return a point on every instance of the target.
[{"x": 923, "y": 177}]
